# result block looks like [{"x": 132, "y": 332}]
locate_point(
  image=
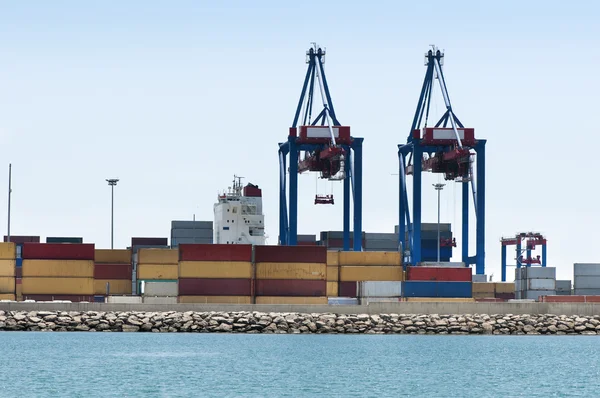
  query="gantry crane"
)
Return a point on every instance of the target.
[
  {"x": 319, "y": 145},
  {"x": 446, "y": 150},
  {"x": 532, "y": 239}
]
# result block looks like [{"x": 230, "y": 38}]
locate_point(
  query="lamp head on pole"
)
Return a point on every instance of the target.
[
  {"x": 438, "y": 187},
  {"x": 112, "y": 181}
]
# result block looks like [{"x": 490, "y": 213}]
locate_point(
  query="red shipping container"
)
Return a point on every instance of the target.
[
  {"x": 592, "y": 299},
  {"x": 290, "y": 254},
  {"x": 214, "y": 287},
  {"x": 214, "y": 252},
  {"x": 18, "y": 272},
  {"x": 51, "y": 297},
  {"x": 505, "y": 296},
  {"x": 58, "y": 251},
  {"x": 112, "y": 271},
  {"x": 149, "y": 242},
  {"x": 440, "y": 274},
  {"x": 348, "y": 289},
  {"x": 563, "y": 299},
  {"x": 291, "y": 287},
  {"x": 18, "y": 281},
  {"x": 22, "y": 239},
  {"x": 307, "y": 244}
]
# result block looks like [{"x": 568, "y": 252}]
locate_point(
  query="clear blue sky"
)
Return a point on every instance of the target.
[{"x": 174, "y": 98}]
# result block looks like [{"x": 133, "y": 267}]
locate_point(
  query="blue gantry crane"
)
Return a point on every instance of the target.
[
  {"x": 446, "y": 150},
  {"x": 319, "y": 145},
  {"x": 532, "y": 240}
]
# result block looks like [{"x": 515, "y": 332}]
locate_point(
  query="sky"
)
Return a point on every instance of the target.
[{"x": 174, "y": 98}]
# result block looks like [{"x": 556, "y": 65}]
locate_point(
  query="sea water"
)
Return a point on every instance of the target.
[{"x": 43, "y": 364}]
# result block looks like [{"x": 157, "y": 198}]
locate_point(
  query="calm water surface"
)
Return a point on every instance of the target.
[{"x": 220, "y": 365}]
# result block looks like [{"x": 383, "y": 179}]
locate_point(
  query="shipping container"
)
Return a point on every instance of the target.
[
  {"x": 536, "y": 294},
  {"x": 215, "y": 287},
  {"x": 369, "y": 300},
  {"x": 7, "y": 284},
  {"x": 215, "y": 299},
  {"x": 325, "y": 235},
  {"x": 479, "y": 295},
  {"x": 342, "y": 301},
  {"x": 74, "y": 298},
  {"x": 504, "y": 287},
  {"x": 563, "y": 285},
  {"x": 124, "y": 299},
  {"x": 333, "y": 274},
  {"x": 162, "y": 300},
  {"x": 291, "y": 300},
  {"x": 332, "y": 289},
  {"x": 479, "y": 278},
  {"x": 442, "y": 264},
  {"x": 333, "y": 258},
  {"x": 58, "y": 268},
  {"x": 151, "y": 288},
  {"x": 109, "y": 256},
  {"x": 306, "y": 238},
  {"x": 215, "y": 252},
  {"x": 587, "y": 292},
  {"x": 19, "y": 272},
  {"x": 68, "y": 286},
  {"x": 64, "y": 240},
  {"x": 157, "y": 271},
  {"x": 192, "y": 225},
  {"x": 371, "y": 273},
  {"x": 7, "y": 267},
  {"x": 215, "y": 269},
  {"x": 191, "y": 233},
  {"x": 290, "y": 254},
  {"x": 437, "y": 289},
  {"x": 441, "y": 274},
  {"x": 112, "y": 271},
  {"x": 440, "y": 299},
  {"x": 99, "y": 299},
  {"x": 19, "y": 262},
  {"x": 307, "y": 271},
  {"x": 370, "y": 258},
  {"x": 158, "y": 256},
  {"x": 539, "y": 284},
  {"x": 484, "y": 287},
  {"x": 58, "y": 251},
  {"x": 149, "y": 242},
  {"x": 379, "y": 289},
  {"x": 291, "y": 287},
  {"x": 370, "y": 236},
  {"x": 505, "y": 296},
  {"x": 8, "y": 251},
  {"x": 348, "y": 289},
  {"x": 116, "y": 286},
  {"x": 563, "y": 299},
  {"x": 538, "y": 273},
  {"x": 22, "y": 239},
  {"x": 381, "y": 245},
  {"x": 7, "y": 297},
  {"x": 587, "y": 282},
  {"x": 586, "y": 269}
]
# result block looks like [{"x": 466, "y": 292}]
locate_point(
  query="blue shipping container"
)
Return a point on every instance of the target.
[
  {"x": 437, "y": 289},
  {"x": 445, "y": 252},
  {"x": 19, "y": 262}
]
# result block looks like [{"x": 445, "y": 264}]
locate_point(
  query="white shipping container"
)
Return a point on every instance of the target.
[
  {"x": 586, "y": 269},
  {"x": 366, "y": 301},
  {"x": 479, "y": 278},
  {"x": 539, "y": 273},
  {"x": 124, "y": 300},
  {"x": 540, "y": 284},
  {"x": 380, "y": 289},
  {"x": 160, "y": 300},
  {"x": 587, "y": 292},
  {"x": 518, "y": 286},
  {"x": 563, "y": 285},
  {"x": 161, "y": 289},
  {"x": 342, "y": 301},
  {"x": 587, "y": 282}
]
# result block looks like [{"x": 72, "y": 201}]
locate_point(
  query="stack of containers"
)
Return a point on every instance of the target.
[
  {"x": 496, "y": 290},
  {"x": 112, "y": 272},
  {"x": 379, "y": 267},
  {"x": 141, "y": 243},
  {"x": 563, "y": 288},
  {"x": 291, "y": 274},
  {"x": 8, "y": 255},
  {"x": 187, "y": 232},
  {"x": 533, "y": 282},
  {"x": 19, "y": 241},
  {"x": 215, "y": 273},
  {"x": 587, "y": 279},
  {"x": 334, "y": 240},
  {"x": 381, "y": 242},
  {"x": 438, "y": 282},
  {"x": 158, "y": 272},
  {"x": 333, "y": 273},
  {"x": 58, "y": 272}
]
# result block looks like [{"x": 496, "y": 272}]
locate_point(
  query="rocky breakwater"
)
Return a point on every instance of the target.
[{"x": 295, "y": 323}]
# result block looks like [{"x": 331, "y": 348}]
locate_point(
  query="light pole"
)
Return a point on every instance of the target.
[
  {"x": 438, "y": 188},
  {"x": 112, "y": 182},
  {"x": 9, "y": 194}
]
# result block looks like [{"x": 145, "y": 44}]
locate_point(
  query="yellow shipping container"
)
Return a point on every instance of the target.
[
  {"x": 7, "y": 284},
  {"x": 157, "y": 271},
  {"x": 371, "y": 273},
  {"x": 158, "y": 256},
  {"x": 333, "y": 274},
  {"x": 370, "y": 258},
  {"x": 10, "y": 297},
  {"x": 58, "y": 268},
  {"x": 290, "y": 300},
  {"x": 117, "y": 286},
  {"x": 215, "y": 269},
  {"x": 440, "y": 300},
  {"x": 505, "y": 287},
  {"x": 19, "y": 290},
  {"x": 214, "y": 299},
  {"x": 332, "y": 289},
  {"x": 8, "y": 251},
  {"x": 333, "y": 258},
  {"x": 83, "y": 286},
  {"x": 117, "y": 256},
  {"x": 7, "y": 267},
  {"x": 304, "y": 271},
  {"x": 484, "y": 287}
]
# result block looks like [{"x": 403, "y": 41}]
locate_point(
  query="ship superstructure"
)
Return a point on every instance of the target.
[{"x": 239, "y": 217}]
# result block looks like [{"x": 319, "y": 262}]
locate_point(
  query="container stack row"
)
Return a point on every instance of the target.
[
  {"x": 188, "y": 232},
  {"x": 112, "y": 273},
  {"x": 587, "y": 279},
  {"x": 534, "y": 282},
  {"x": 438, "y": 283},
  {"x": 56, "y": 271},
  {"x": 158, "y": 274},
  {"x": 8, "y": 256},
  {"x": 143, "y": 243},
  {"x": 493, "y": 291},
  {"x": 19, "y": 240}
]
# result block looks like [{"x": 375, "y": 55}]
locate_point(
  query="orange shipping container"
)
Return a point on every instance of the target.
[
  {"x": 371, "y": 273},
  {"x": 10, "y": 297},
  {"x": 117, "y": 286},
  {"x": 370, "y": 258},
  {"x": 157, "y": 271},
  {"x": 7, "y": 284},
  {"x": 304, "y": 271},
  {"x": 333, "y": 274},
  {"x": 332, "y": 289},
  {"x": 58, "y": 268},
  {"x": 19, "y": 290},
  {"x": 333, "y": 258},
  {"x": 117, "y": 256},
  {"x": 8, "y": 251},
  {"x": 7, "y": 267},
  {"x": 215, "y": 269},
  {"x": 484, "y": 287},
  {"x": 68, "y": 286},
  {"x": 158, "y": 256},
  {"x": 215, "y": 299},
  {"x": 505, "y": 287},
  {"x": 290, "y": 300}
]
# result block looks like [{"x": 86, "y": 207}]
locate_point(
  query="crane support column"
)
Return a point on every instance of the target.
[
  {"x": 346, "y": 231},
  {"x": 357, "y": 199},
  {"x": 480, "y": 209},
  {"x": 293, "y": 234},
  {"x": 465, "y": 223},
  {"x": 503, "y": 263}
]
